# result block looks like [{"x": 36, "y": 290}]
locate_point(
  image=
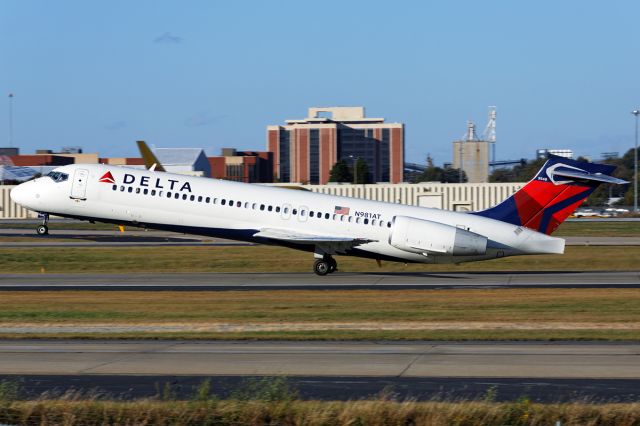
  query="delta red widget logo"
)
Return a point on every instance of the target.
[{"x": 107, "y": 178}]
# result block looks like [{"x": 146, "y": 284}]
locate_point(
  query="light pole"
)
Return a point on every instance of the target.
[
  {"x": 10, "y": 120},
  {"x": 635, "y": 112}
]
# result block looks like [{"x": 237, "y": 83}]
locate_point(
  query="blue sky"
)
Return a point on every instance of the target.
[{"x": 563, "y": 74}]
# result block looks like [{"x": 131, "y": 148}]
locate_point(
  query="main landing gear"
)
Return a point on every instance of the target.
[
  {"x": 324, "y": 266},
  {"x": 43, "y": 229}
]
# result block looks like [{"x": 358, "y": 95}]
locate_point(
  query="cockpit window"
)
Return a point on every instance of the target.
[{"x": 58, "y": 176}]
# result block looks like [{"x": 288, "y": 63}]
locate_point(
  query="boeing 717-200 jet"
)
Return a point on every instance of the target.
[{"x": 323, "y": 224}]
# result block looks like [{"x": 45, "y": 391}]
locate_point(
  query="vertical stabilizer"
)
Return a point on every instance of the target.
[{"x": 552, "y": 195}]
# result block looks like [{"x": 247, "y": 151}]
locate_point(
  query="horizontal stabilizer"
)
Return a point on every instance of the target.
[{"x": 598, "y": 177}]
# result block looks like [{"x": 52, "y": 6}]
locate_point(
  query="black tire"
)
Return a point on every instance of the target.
[
  {"x": 333, "y": 265},
  {"x": 321, "y": 267},
  {"x": 42, "y": 230}
]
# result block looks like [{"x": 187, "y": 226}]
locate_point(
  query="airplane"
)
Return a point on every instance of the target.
[{"x": 325, "y": 225}]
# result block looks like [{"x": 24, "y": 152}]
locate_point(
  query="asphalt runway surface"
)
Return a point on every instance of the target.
[
  {"x": 139, "y": 238},
  {"x": 543, "y": 371},
  {"x": 310, "y": 281}
]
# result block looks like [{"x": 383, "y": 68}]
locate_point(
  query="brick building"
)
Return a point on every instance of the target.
[
  {"x": 305, "y": 150},
  {"x": 243, "y": 166}
]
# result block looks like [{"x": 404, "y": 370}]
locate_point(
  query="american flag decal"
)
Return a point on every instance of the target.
[{"x": 341, "y": 210}]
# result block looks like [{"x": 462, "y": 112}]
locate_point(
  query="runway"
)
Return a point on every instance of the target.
[
  {"x": 140, "y": 238},
  {"x": 309, "y": 281},
  {"x": 344, "y": 370}
]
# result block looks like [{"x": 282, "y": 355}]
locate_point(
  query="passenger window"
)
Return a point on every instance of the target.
[
  {"x": 253, "y": 206},
  {"x": 146, "y": 191},
  {"x": 261, "y": 206},
  {"x": 311, "y": 213},
  {"x": 350, "y": 218},
  {"x": 303, "y": 213},
  {"x": 199, "y": 198},
  {"x": 373, "y": 222},
  {"x": 168, "y": 194},
  {"x": 184, "y": 196},
  {"x": 381, "y": 224},
  {"x": 215, "y": 201},
  {"x": 130, "y": 189},
  {"x": 176, "y": 195},
  {"x": 366, "y": 221},
  {"x": 122, "y": 188},
  {"x": 277, "y": 209},
  {"x": 153, "y": 192},
  {"x": 137, "y": 190},
  {"x": 326, "y": 215},
  {"x": 341, "y": 218},
  {"x": 270, "y": 208},
  {"x": 192, "y": 198},
  {"x": 388, "y": 224},
  {"x": 230, "y": 203},
  {"x": 286, "y": 210},
  {"x": 335, "y": 216},
  {"x": 223, "y": 202},
  {"x": 246, "y": 205},
  {"x": 207, "y": 200},
  {"x": 357, "y": 220},
  {"x": 294, "y": 211},
  {"x": 239, "y": 204},
  {"x": 114, "y": 187}
]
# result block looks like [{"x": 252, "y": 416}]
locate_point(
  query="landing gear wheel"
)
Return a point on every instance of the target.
[
  {"x": 321, "y": 267},
  {"x": 333, "y": 265},
  {"x": 42, "y": 230}
]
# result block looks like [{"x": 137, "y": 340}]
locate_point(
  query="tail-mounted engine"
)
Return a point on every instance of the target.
[{"x": 427, "y": 237}]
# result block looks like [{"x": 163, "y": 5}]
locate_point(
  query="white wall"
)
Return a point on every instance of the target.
[{"x": 449, "y": 196}]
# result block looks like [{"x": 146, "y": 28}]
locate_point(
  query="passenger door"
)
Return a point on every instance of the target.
[{"x": 79, "y": 184}]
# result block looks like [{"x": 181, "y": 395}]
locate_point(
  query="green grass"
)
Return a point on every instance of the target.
[
  {"x": 471, "y": 335},
  {"x": 468, "y": 314},
  {"x": 598, "y": 229},
  {"x": 311, "y": 306},
  {"x": 277, "y": 259}
]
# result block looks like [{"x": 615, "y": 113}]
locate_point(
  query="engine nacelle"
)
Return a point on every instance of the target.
[{"x": 424, "y": 236}]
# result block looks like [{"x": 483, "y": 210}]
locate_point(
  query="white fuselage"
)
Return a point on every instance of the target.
[{"x": 238, "y": 211}]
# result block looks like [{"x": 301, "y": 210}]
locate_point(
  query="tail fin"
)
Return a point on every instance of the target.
[{"x": 552, "y": 195}]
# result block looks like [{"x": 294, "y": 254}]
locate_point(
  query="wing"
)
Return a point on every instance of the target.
[{"x": 328, "y": 244}]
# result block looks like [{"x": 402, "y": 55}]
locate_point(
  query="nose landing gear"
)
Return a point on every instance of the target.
[
  {"x": 324, "y": 266},
  {"x": 43, "y": 229}
]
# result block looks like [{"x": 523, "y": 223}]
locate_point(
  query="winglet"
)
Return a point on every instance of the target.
[{"x": 149, "y": 157}]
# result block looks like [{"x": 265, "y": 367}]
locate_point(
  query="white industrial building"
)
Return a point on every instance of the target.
[
  {"x": 448, "y": 196},
  {"x": 184, "y": 161}
]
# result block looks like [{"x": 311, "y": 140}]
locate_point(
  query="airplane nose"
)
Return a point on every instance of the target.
[
  {"x": 23, "y": 194},
  {"x": 18, "y": 195}
]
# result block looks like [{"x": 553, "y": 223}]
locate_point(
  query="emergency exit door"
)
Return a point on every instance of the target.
[{"x": 79, "y": 184}]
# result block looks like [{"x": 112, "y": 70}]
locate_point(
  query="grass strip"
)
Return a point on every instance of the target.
[
  {"x": 598, "y": 229},
  {"x": 278, "y": 259},
  {"x": 514, "y": 305},
  {"x": 457, "y": 314},
  {"x": 470, "y": 335},
  {"x": 316, "y": 413}
]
